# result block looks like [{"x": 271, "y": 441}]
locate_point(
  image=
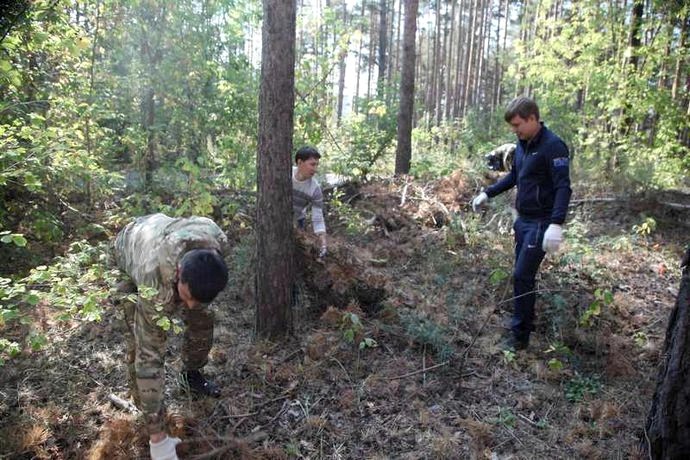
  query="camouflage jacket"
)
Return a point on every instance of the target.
[{"x": 149, "y": 249}]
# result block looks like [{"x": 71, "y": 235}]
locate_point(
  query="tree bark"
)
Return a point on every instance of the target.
[
  {"x": 372, "y": 49},
  {"x": 383, "y": 47},
  {"x": 477, "y": 94},
  {"x": 668, "y": 422},
  {"x": 469, "y": 57},
  {"x": 680, "y": 59},
  {"x": 274, "y": 231},
  {"x": 449, "y": 63},
  {"x": 403, "y": 153},
  {"x": 634, "y": 38},
  {"x": 459, "y": 60},
  {"x": 342, "y": 67}
]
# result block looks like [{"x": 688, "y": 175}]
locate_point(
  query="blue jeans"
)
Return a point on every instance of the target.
[{"x": 529, "y": 235}]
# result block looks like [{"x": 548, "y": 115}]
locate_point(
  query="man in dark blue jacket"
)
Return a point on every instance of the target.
[{"x": 541, "y": 172}]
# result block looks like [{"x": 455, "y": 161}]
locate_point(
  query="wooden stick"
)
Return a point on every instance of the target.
[
  {"x": 122, "y": 403},
  {"x": 404, "y": 193},
  {"x": 420, "y": 371}
]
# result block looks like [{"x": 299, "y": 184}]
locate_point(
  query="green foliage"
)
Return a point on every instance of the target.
[
  {"x": 13, "y": 238},
  {"x": 640, "y": 338},
  {"x": 463, "y": 229},
  {"x": 353, "y": 221},
  {"x": 508, "y": 357},
  {"x": 561, "y": 354},
  {"x": 365, "y": 142},
  {"x": 76, "y": 286},
  {"x": 623, "y": 121},
  {"x": 351, "y": 326},
  {"x": 437, "y": 151},
  {"x": 505, "y": 418},
  {"x": 353, "y": 330},
  {"x": 559, "y": 348},
  {"x": 426, "y": 332},
  {"x": 558, "y": 311},
  {"x": 555, "y": 364},
  {"x": 602, "y": 298},
  {"x": 583, "y": 252},
  {"x": 8, "y": 349},
  {"x": 48, "y": 144},
  {"x": 646, "y": 227},
  {"x": 368, "y": 342},
  {"x": 498, "y": 275},
  {"x": 579, "y": 387}
]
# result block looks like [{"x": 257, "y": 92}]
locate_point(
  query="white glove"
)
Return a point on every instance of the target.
[
  {"x": 165, "y": 449},
  {"x": 553, "y": 238},
  {"x": 323, "y": 252},
  {"x": 479, "y": 200}
]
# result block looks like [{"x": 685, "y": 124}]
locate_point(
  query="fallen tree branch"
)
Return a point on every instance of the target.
[
  {"x": 420, "y": 371},
  {"x": 668, "y": 204},
  {"x": 230, "y": 443},
  {"x": 404, "y": 193},
  {"x": 122, "y": 403}
]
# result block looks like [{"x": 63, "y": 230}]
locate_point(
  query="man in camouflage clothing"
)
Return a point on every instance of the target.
[{"x": 176, "y": 266}]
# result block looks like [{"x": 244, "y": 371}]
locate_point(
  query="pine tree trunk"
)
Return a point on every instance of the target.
[
  {"x": 469, "y": 57},
  {"x": 403, "y": 153},
  {"x": 274, "y": 233},
  {"x": 457, "y": 83},
  {"x": 434, "y": 64},
  {"x": 449, "y": 63},
  {"x": 681, "y": 57},
  {"x": 480, "y": 61},
  {"x": 441, "y": 85},
  {"x": 342, "y": 67},
  {"x": 372, "y": 50},
  {"x": 668, "y": 422},
  {"x": 358, "y": 67},
  {"x": 383, "y": 47}
]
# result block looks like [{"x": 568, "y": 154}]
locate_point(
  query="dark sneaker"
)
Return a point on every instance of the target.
[
  {"x": 512, "y": 343},
  {"x": 195, "y": 382}
]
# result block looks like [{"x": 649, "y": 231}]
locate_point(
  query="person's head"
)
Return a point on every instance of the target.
[
  {"x": 307, "y": 161},
  {"x": 202, "y": 274},
  {"x": 523, "y": 116}
]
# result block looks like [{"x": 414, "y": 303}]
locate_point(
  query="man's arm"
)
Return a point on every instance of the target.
[
  {"x": 559, "y": 164},
  {"x": 317, "y": 219},
  {"x": 505, "y": 183}
]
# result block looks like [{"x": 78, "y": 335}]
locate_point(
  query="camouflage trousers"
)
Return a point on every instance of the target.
[{"x": 146, "y": 345}]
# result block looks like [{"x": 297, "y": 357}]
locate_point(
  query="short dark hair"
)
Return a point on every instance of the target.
[
  {"x": 305, "y": 153},
  {"x": 205, "y": 272},
  {"x": 522, "y": 107}
]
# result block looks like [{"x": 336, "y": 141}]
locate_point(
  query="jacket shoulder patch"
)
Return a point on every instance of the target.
[{"x": 561, "y": 162}]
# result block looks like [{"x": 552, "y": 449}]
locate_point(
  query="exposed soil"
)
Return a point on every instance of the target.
[{"x": 422, "y": 377}]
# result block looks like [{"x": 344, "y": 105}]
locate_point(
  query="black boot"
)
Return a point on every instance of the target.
[
  {"x": 196, "y": 382},
  {"x": 513, "y": 343}
]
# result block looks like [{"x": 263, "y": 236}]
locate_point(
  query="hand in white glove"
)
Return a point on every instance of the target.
[
  {"x": 165, "y": 449},
  {"x": 323, "y": 252},
  {"x": 479, "y": 201},
  {"x": 553, "y": 238}
]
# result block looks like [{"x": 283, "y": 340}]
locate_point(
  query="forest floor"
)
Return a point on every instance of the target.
[{"x": 416, "y": 373}]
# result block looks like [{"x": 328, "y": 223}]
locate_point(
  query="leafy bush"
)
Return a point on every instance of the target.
[
  {"x": 75, "y": 287},
  {"x": 365, "y": 142},
  {"x": 579, "y": 387}
]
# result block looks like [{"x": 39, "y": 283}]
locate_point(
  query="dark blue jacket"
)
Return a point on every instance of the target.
[{"x": 541, "y": 172}]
